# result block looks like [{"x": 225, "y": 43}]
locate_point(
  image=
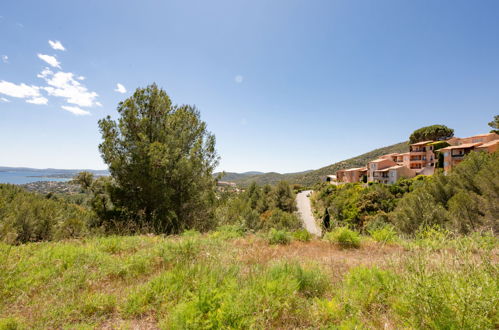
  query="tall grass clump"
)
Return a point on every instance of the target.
[
  {"x": 302, "y": 235},
  {"x": 450, "y": 291},
  {"x": 384, "y": 234},
  {"x": 343, "y": 236},
  {"x": 278, "y": 237}
]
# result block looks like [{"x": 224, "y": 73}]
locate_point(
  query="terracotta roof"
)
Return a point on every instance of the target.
[
  {"x": 390, "y": 168},
  {"x": 462, "y": 146},
  {"x": 380, "y": 160},
  {"x": 422, "y": 143},
  {"x": 488, "y": 144},
  {"x": 354, "y": 169},
  {"x": 486, "y": 134}
]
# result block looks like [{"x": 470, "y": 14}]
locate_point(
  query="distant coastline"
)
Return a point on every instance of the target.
[{"x": 25, "y": 175}]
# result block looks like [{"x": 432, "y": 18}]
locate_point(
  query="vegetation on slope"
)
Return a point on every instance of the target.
[
  {"x": 465, "y": 200},
  {"x": 218, "y": 280},
  {"x": 309, "y": 178}
]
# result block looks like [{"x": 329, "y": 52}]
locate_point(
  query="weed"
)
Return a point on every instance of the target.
[
  {"x": 384, "y": 234},
  {"x": 302, "y": 235},
  {"x": 278, "y": 237},
  {"x": 345, "y": 237}
]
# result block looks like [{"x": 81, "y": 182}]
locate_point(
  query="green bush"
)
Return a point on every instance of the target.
[
  {"x": 370, "y": 290},
  {"x": 302, "y": 235},
  {"x": 278, "y": 237},
  {"x": 29, "y": 217},
  {"x": 345, "y": 237},
  {"x": 385, "y": 234},
  {"x": 9, "y": 323},
  {"x": 311, "y": 279},
  {"x": 281, "y": 220},
  {"x": 455, "y": 293},
  {"x": 228, "y": 232}
]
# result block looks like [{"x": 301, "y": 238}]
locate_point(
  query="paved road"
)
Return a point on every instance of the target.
[{"x": 305, "y": 211}]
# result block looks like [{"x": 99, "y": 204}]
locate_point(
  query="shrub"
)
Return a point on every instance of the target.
[
  {"x": 302, "y": 235},
  {"x": 9, "y": 323},
  {"x": 369, "y": 289},
  {"x": 345, "y": 237},
  {"x": 28, "y": 217},
  {"x": 311, "y": 279},
  {"x": 228, "y": 232},
  {"x": 191, "y": 233},
  {"x": 280, "y": 220},
  {"x": 278, "y": 237},
  {"x": 385, "y": 234},
  {"x": 455, "y": 293}
]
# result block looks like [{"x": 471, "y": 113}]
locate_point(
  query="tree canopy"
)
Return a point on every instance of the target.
[
  {"x": 433, "y": 132},
  {"x": 161, "y": 159},
  {"x": 495, "y": 125}
]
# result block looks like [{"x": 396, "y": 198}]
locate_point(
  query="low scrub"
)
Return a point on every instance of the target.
[
  {"x": 302, "y": 235},
  {"x": 278, "y": 237},
  {"x": 343, "y": 236},
  {"x": 205, "y": 282},
  {"x": 385, "y": 234}
]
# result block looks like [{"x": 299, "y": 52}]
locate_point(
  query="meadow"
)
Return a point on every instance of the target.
[{"x": 228, "y": 279}]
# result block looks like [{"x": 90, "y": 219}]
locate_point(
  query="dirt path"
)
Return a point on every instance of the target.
[{"x": 305, "y": 211}]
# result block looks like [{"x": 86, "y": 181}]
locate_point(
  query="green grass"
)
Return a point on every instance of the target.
[
  {"x": 226, "y": 280},
  {"x": 278, "y": 237},
  {"x": 343, "y": 236}
]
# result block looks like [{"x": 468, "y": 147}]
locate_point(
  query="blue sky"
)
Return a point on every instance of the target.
[{"x": 284, "y": 85}]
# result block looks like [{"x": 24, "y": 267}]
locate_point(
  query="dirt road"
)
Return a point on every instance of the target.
[{"x": 305, "y": 211}]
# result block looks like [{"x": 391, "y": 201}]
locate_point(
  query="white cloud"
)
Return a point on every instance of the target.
[
  {"x": 56, "y": 45},
  {"x": 50, "y": 60},
  {"x": 80, "y": 78},
  {"x": 63, "y": 84},
  {"x": 21, "y": 91},
  {"x": 238, "y": 79},
  {"x": 38, "y": 100},
  {"x": 120, "y": 88},
  {"x": 3, "y": 99},
  {"x": 5, "y": 59},
  {"x": 75, "y": 110}
]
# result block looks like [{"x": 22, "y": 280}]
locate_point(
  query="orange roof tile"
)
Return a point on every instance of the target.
[
  {"x": 462, "y": 146},
  {"x": 422, "y": 143}
]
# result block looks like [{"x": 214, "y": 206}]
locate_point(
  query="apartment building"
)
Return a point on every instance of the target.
[
  {"x": 420, "y": 160},
  {"x": 391, "y": 174},
  {"x": 376, "y": 165},
  {"x": 460, "y": 147},
  {"x": 491, "y": 146},
  {"x": 351, "y": 175},
  {"x": 453, "y": 155},
  {"x": 480, "y": 138},
  {"x": 422, "y": 157}
]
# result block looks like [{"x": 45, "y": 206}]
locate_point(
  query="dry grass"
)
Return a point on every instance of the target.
[{"x": 117, "y": 267}]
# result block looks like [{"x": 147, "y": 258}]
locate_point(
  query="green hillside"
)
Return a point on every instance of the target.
[{"x": 311, "y": 177}]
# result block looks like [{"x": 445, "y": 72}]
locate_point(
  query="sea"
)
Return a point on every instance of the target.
[{"x": 22, "y": 177}]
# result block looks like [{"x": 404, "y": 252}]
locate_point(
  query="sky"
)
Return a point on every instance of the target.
[{"x": 284, "y": 85}]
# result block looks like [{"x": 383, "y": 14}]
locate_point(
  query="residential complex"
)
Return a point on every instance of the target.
[{"x": 422, "y": 159}]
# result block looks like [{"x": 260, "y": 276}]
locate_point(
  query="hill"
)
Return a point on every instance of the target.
[
  {"x": 312, "y": 177},
  {"x": 232, "y": 176}
]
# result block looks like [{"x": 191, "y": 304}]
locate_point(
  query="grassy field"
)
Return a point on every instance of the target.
[{"x": 225, "y": 280}]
